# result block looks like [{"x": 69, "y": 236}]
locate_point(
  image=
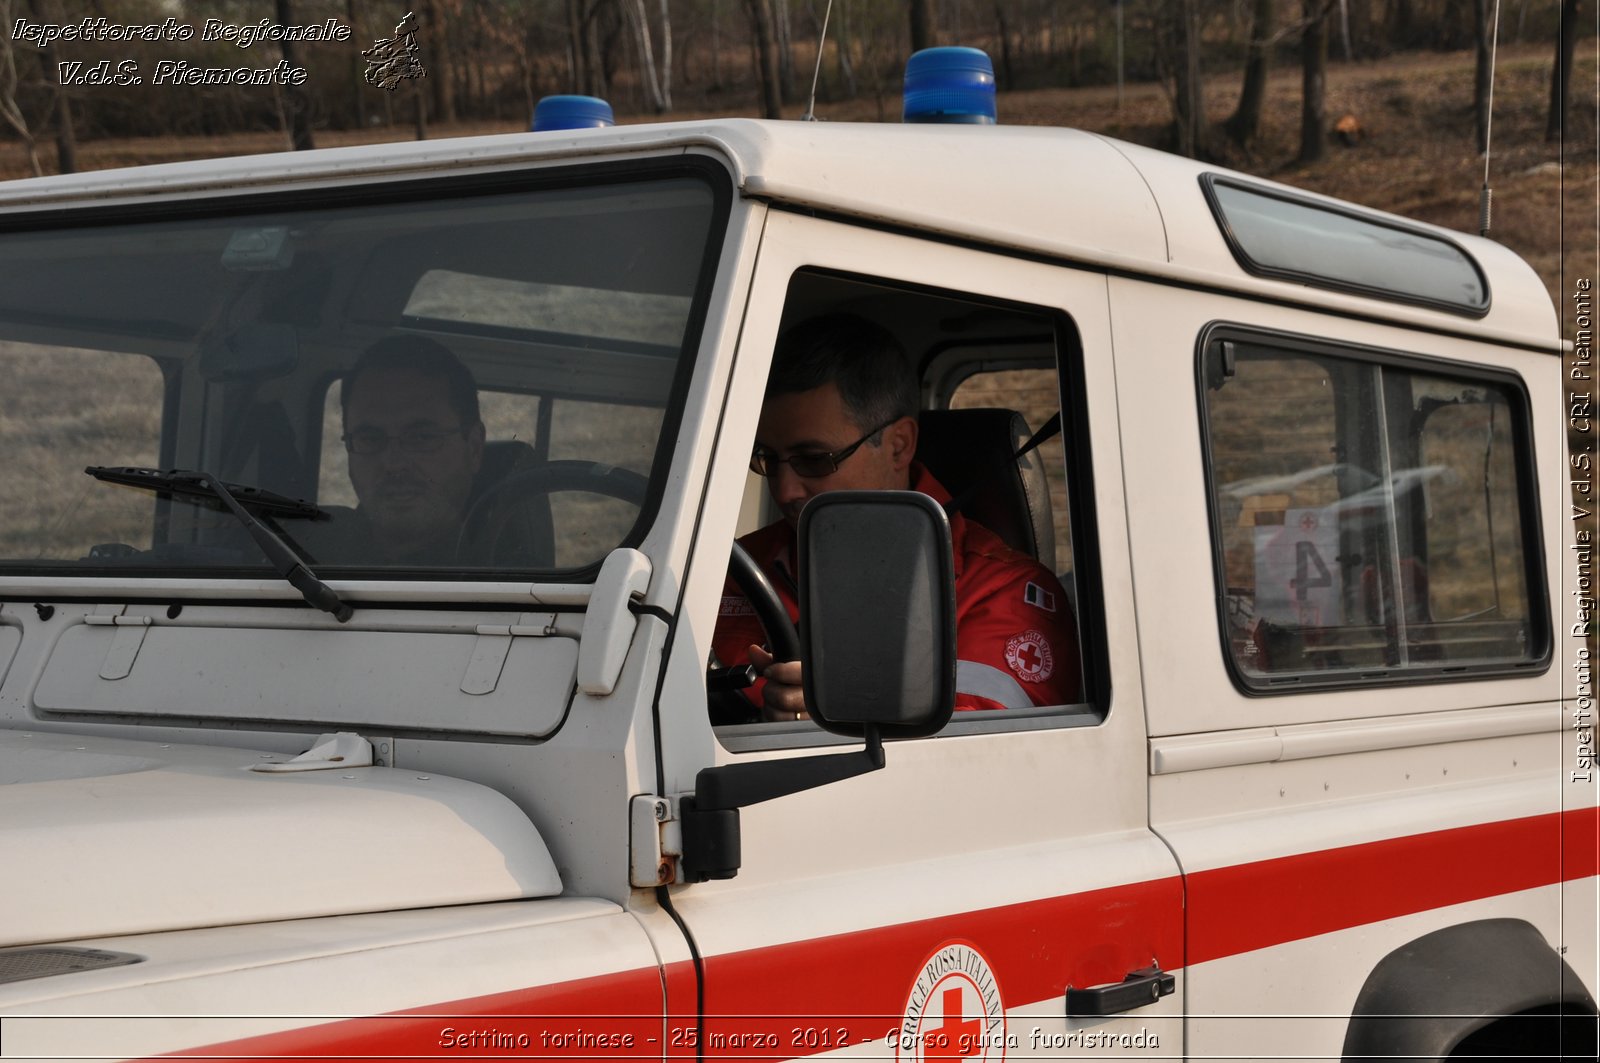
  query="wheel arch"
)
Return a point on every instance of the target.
[{"x": 1489, "y": 981}]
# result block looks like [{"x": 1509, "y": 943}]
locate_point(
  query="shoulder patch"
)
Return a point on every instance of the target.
[
  {"x": 1029, "y": 656},
  {"x": 1038, "y": 597}
]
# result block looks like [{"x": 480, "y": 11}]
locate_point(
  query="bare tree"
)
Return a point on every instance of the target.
[
  {"x": 66, "y": 139},
  {"x": 1314, "y": 78},
  {"x": 433, "y": 15},
  {"x": 1561, "y": 77},
  {"x": 924, "y": 30},
  {"x": 1483, "y": 72},
  {"x": 766, "y": 46},
  {"x": 9, "y": 109},
  {"x": 295, "y": 100},
  {"x": 1246, "y": 118},
  {"x": 657, "y": 85},
  {"x": 781, "y": 31},
  {"x": 1190, "y": 100}
]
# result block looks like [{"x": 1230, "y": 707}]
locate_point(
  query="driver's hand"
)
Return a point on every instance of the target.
[{"x": 783, "y": 699}]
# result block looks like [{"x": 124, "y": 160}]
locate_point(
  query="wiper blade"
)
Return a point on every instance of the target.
[
  {"x": 282, "y": 556},
  {"x": 192, "y": 484}
]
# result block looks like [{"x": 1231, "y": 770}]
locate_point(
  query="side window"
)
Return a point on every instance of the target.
[
  {"x": 1372, "y": 518},
  {"x": 62, "y": 410},
  {"x": 1036, "y": 395},
  {"x": 1025, "y": 658}
]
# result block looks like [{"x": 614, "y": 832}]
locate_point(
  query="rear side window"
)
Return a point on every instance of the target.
[{"x": 1373, "y": 518}]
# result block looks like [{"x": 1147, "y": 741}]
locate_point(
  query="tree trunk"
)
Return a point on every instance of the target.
[
  {"x": 841, "y": 39},
  {"x": 1483, "y": 73},
  {"x": 1190, "y": 98},
  {"x": 766, "y": 58},
  {"x": 781, "y": 32},
  {"x": 435, "y": 37},
  {"x": 1246, "y": 118},
  {"x": 666, "y": 57},
  {"x": 1314, "y": 79},
  {"x": 924, "y": 31},
  {"x": 1402, "y": 26},
  {"x": 296, "y": 101},
  {"x": 9, "y": 110},
  {"x": 576, "y": 46},
  {"x": 648, "y": 78},
  {"x": 358, "y": 82},
  {"x": 66, "y": 142},
  {"x": 1004, "y": 27},
  {"x": 1561, "y": 77}
]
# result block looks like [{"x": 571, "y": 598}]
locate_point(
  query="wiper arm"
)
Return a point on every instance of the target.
[
  {"x": 198, "y": 485},
  {"x": 282, "y": 556}
]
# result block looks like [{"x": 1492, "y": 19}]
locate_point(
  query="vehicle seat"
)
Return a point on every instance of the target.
[
  {"x": 972, "y": 452},
  {"x": 501, "y": 457}
]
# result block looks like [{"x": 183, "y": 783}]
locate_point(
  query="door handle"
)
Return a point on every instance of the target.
[{"x": 1139, "y": 989}]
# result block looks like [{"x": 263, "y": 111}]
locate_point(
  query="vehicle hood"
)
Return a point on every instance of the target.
[{"x": 108, "y": 837}]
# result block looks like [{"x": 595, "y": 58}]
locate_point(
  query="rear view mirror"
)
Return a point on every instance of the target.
[
  {"x": 877, "y": 612},
  {"x": 254, "y": 351}
]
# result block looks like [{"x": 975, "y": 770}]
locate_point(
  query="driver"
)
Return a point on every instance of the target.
[
  {"x": 415, "y": 440},
  {"x": 840, "y": 414}
]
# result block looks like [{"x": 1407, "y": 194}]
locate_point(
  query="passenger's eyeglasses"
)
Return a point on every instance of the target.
[
  {"x": 370, "y": 441},
  {"x": 764, "y": 461}
]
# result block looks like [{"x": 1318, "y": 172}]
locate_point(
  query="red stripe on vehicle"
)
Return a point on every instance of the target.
[
  {"x": 811, "y": 994},
  {"x": 1252, "y": 906},
  {"x": 804, "y": 997}
]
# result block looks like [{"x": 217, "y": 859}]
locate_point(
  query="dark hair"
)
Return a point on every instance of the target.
[
  {"x": 422, "y": 355},
  {"x": 863, "y": 360}
]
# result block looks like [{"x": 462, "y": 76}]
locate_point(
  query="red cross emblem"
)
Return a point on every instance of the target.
[
  {"x": 1029, "y": 656},
  {"x": 956, "y": 1037}
]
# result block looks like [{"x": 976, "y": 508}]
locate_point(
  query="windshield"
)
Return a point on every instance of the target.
[{"x": 465, "y": 381}]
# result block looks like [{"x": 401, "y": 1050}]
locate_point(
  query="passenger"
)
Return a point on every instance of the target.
[
  {"x": 415, "y": 440},
  {"x": 841, "y": 414}
]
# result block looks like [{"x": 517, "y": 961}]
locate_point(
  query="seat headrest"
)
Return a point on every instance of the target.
[{"x": 972, "y": 452}]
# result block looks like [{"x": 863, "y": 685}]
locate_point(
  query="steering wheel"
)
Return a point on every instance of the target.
[
  {"x": 505, "y": 512},
  {"x": 769, "y": 608},
  {"x": 728, "y": 704}
]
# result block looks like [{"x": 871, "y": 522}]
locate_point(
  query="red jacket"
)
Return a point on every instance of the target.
[{"x": 1016, "y": 640}]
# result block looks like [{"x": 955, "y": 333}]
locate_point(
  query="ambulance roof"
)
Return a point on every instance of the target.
[{"x": 1057, "y": 193}]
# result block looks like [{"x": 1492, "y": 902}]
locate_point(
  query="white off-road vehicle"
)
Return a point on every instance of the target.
[{"x": 1300, "y": 468}]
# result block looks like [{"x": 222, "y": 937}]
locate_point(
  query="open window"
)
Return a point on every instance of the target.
[
  {"x": 1373, "y": 516},
  {"x": 1013, "y": 472}
]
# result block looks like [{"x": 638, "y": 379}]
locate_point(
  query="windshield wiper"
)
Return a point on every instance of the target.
[
  {"x": 198, "y": 485},
  {"x": 235, "y": 499}
]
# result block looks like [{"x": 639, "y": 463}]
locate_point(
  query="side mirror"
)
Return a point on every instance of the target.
[{"x": 877, "y": 612}]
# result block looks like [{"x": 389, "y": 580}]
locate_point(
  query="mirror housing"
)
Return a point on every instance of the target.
[{"x": 877, "y": 613}]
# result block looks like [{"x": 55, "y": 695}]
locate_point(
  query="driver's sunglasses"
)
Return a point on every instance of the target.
[
  {"x": 368, "y": 442},
  {"x": 765, "y": 461}
]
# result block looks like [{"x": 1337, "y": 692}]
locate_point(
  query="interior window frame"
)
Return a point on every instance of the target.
[{"x": 936, "y": 385}]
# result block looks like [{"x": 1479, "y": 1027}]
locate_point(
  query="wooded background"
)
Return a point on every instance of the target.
[{"x": 491, "y": 60}]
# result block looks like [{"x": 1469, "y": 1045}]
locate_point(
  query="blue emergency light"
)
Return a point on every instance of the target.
[
  {"x": 950, "y": 85},
  {"x": 572, "y": 112}
]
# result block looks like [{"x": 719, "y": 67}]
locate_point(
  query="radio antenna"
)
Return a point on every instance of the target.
[
  {"x": 1486, "y": 196},
  {"x": 816, "y": 75}
]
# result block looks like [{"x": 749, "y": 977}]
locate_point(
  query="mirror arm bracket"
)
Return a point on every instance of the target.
[{"x": 710, "y": 816}]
